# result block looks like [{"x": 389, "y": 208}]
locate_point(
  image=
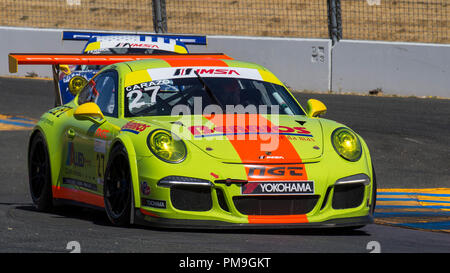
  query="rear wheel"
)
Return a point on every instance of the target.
[
  {"x": 117, "y": 187},
  {"x": 39, "y": 174}
]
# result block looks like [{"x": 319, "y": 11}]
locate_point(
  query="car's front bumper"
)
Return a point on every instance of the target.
[
  {"x": 141, "y": 217},
  {"x": 157, "y": 204}
]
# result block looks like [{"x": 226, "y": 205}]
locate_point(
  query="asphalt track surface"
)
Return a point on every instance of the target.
[{"x": 409, "y": 139}]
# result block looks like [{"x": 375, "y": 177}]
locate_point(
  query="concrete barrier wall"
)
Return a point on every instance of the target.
[
  {"x": 395, "y": 68},
  {"x": 302, "y": 64},
  {"x": 298, "y": 63},
  {"x": 28, "y": 40}
]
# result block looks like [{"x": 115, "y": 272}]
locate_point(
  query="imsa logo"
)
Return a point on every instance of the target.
[
  {"x": 278, "y": 188},
  {"x": 207, "y": 71}
]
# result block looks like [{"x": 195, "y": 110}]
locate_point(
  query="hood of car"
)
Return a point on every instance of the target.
[{"x": 249, "y": 138}]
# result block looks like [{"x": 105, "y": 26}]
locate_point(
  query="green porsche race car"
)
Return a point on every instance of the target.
[{"x": 199, "y": 140}]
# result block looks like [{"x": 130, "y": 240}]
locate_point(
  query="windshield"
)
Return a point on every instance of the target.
[{"x": 190, "y": 95}]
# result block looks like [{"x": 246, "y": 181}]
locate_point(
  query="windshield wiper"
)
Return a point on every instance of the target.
[{"x": 208, "y": 90}]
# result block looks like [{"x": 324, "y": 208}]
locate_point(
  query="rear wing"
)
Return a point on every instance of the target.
[
  {"x": 85, "y": 36},
  {"x": 55, "y": 60},
  {"x": 15, "y": 59}
]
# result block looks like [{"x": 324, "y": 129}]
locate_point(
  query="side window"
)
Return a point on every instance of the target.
[
  {"x": 103, "y": 91},
  {"x": 88, "y": 94}
]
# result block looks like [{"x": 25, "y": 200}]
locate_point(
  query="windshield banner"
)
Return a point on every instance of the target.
[{"x": 215, "y": 72}]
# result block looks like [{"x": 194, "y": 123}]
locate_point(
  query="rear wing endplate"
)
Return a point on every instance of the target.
[{"x": 85, "y": 36}]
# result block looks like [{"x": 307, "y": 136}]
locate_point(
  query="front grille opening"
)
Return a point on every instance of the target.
[
  {"x": 325, "y": 199},
  {"x": 221, "y": 199},
  {"x": 191, "y": 198},
  {"x": 275, "y": 205},
  {"x": 348, "y": 196}
]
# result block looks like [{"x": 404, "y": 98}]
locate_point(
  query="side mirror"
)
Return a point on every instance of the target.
[
  {"x": 89, "y": 111},
  {"x": 315, "y": 108},
  {"x": 65, "y": 69}
]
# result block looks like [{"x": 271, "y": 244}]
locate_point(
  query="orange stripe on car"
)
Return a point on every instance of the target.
[
  {"x": 250, "y": 147},
  {"x": 277, "y": 219},
  {"x": 250, "y": 152},
  {"x": 143, "y": 211},
  {"x": 78, "y": 195}
]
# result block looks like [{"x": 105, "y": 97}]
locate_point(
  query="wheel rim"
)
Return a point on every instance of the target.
[
  {"x": 117, "y": 186},
  {"x": 38, "y": 170}
]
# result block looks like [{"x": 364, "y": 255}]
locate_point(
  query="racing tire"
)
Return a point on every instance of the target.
[
  {"x": 39, "y": 174},
  {"x": 117, "y": 188}
]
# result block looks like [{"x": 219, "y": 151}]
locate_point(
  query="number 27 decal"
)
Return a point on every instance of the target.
[{"x": 137, "y": 94}]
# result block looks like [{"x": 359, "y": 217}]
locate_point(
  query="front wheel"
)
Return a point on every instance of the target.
[
  {"x": 117, "y": 189},
  {"x": 39, "y": 174}
]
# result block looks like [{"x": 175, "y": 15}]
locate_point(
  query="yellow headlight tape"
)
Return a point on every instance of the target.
[
  {"x": 137, "y": 77},
  {"x": 92, "y": 46}
]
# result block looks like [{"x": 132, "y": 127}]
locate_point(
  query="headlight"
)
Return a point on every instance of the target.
[
  {"x": 166, "y": 146},
  {"x": 346, "y": 144},
  {"x": 76, "y": 84}
]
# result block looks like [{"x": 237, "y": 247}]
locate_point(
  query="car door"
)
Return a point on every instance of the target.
[{"x": 87, "y": 142}]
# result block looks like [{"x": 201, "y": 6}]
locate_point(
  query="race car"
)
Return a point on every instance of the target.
[
  {"x": 73, "y": 78},
  {"x": 198, "y": 141}
]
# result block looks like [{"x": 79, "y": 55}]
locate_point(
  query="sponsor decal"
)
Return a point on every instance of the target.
[
  {"x": 136, "y": 45},
  {"x": 74, "y": 158},
  {"x": 147, "y": 86},
  {"x": 278, "y": 157},
  {"x": 205, "y": 131},
  {"x": 58, "y": 111},
  {"x": 160, "y": 204},
  {"x": 99, "y": 146},
  {"x": 203, "y": 71},
  {"x": 278, "y": 187},
  {"x": 301, "y": 138},
  {"x": 134, "y": 127},
  {"x": 67, "y": 78},
  {"x": 79, "y": 183},
  {"x": 101, "y": 133},
  {"x": 263, "y": 171},
  {"x": 292, "y": 172},
  {"x": 145, "y": 189}
]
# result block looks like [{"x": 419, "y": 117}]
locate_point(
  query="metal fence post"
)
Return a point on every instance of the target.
[
  {"x": 159, "y": 16},
  {"x": 334, "y": 20}
]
